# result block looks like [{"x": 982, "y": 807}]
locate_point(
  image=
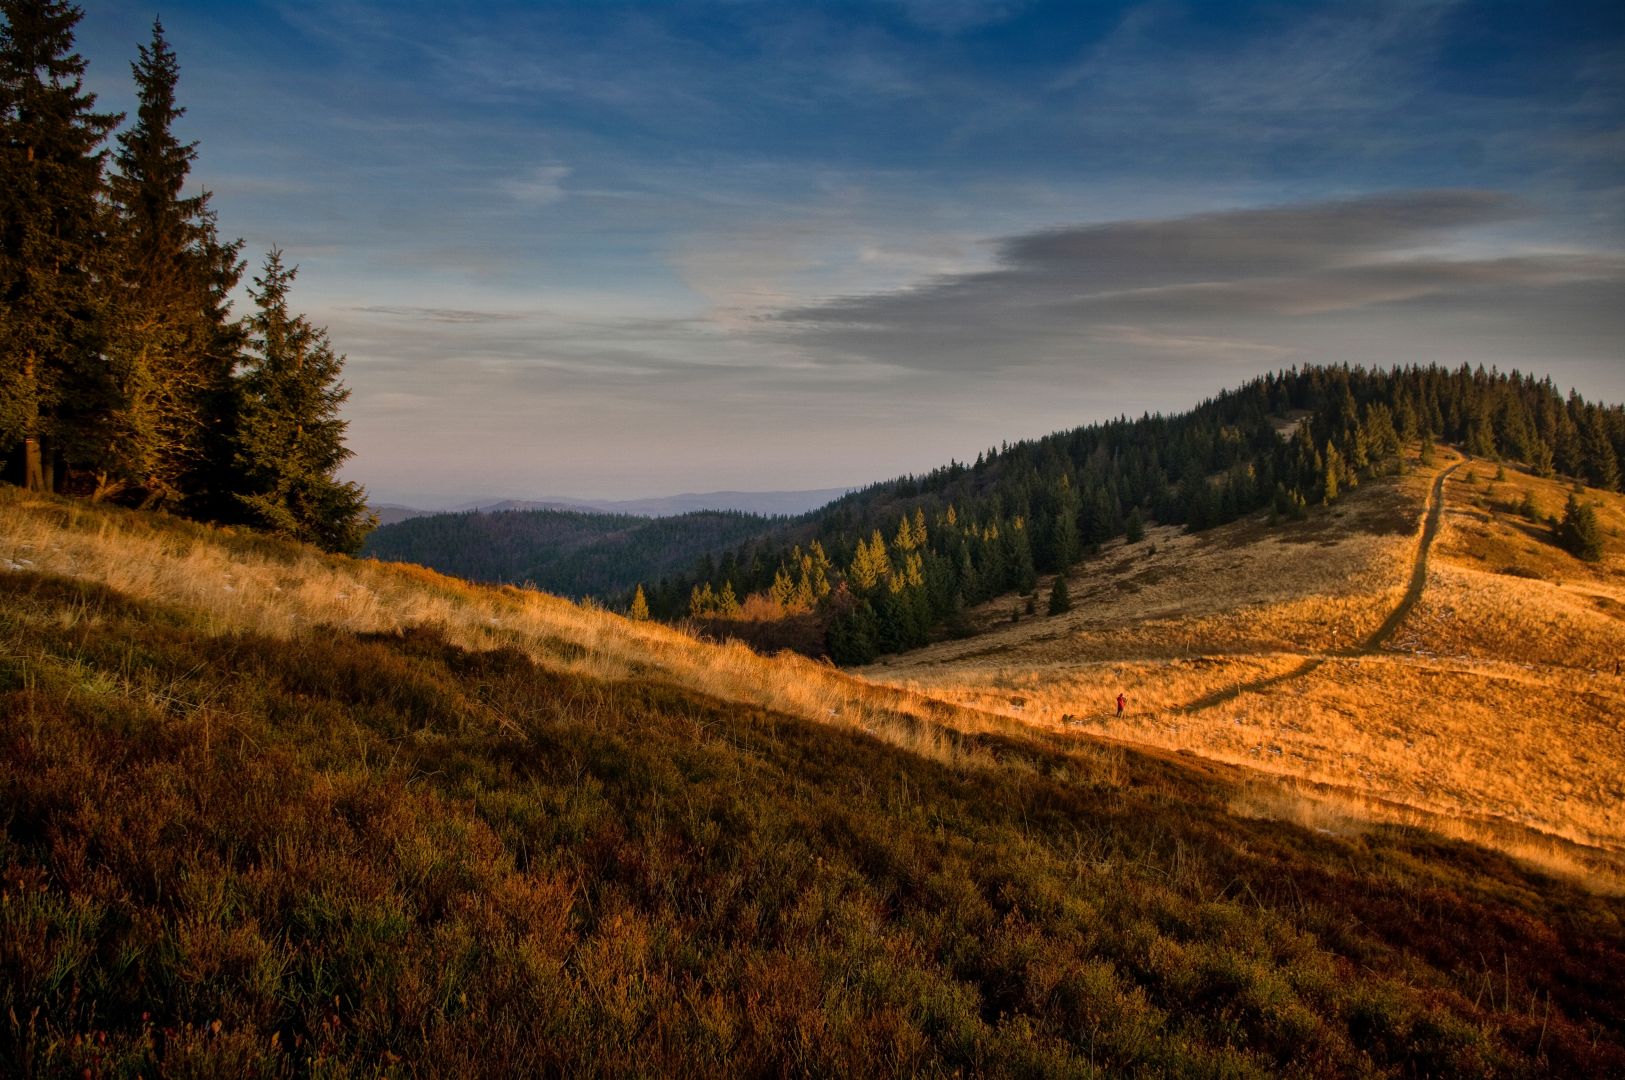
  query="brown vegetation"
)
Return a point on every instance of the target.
[{"x": 278, "y": 814}]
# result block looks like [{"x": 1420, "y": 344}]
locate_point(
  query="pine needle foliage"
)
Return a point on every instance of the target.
[
  {"x": 291, "y": 438},
  {"x": 171, "y": 343},
  {"x": 1060, "y": 600},
  {"x": 1579, "y": 532},
  {"x": 54, "y": 391}
]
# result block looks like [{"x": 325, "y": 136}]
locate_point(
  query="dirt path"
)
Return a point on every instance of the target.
[{"x": 1413, "y": 593}]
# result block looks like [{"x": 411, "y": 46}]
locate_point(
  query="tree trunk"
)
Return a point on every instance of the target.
[
  {"x": 33, "y": 458},
  {"x": 33, "y": 464}
]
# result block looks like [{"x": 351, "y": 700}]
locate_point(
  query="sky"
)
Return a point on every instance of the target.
[{"x": 614, "y": 250}]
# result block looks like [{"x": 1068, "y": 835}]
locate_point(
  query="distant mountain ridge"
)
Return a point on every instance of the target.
[
  {"x": 569, "y": 552},
  {"x": 764, "y": 503}
]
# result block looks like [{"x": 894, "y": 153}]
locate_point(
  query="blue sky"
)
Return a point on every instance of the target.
[{"x": 610, "y": 250}]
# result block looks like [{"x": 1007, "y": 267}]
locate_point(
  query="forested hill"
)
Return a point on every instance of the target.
[
  {"x": 890, "y": 565},
  {"x": 565, "y": 552}
]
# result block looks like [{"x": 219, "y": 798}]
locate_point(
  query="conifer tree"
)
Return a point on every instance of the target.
[
  {"x": 171, "y": 342},
  {"x": 783, "y": 592},
  {"x": 1024, "y": 574},
  {"x": 905, "y": 540},
  {"x": 853, "y": 635},
  {"x": 870, "y": 565},
  {"x": 290, "y": 441},
  {"x": 52, "y": 387},
  {"x": 1335, "y": 470},
  {"x": 1580, "y": 533},
  {"x": 1541, "y": 460},
  {"x": 1601, "y": 463},
  {"x": 818, "y": 567},
  {"x": 639, "y": 611},
  {"x": 1059, "y": 599},
  {"x": 1134, "y": 527}
]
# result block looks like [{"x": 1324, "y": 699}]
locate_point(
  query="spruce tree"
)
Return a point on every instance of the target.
[
  {"x": 171, "y": 342},
  {"x": 854, "y": 630},
  {"x": 1059, "y": 599},
  {"x": 1134, "y": 527},
  {"x": 290, "y": 441},
  {"x": 1024, "y": 573},
  {"x": 1580, "y": 533},
  {"x": 1601, "y": 463},
  {"x": 52, "y": 386}
]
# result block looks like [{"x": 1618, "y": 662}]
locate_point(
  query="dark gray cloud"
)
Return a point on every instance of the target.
[{"x": 1254, "y": 284}]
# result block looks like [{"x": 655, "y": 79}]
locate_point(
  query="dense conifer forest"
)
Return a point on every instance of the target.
[
  {"x": 124, "y": 375},
  {"x": 896, "y": 563}
]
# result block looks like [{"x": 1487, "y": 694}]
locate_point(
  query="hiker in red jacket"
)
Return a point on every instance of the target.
[{"x": 1121, "y": 701}]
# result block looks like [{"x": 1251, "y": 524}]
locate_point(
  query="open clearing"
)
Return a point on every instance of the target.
[{"x": 1490, "y": 709}]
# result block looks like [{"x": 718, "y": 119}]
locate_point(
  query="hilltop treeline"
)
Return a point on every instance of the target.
[
  {"x": 568, "y": 552},
  {"x": 124, "y": 374},
  {"x": 904, "y": 557}
]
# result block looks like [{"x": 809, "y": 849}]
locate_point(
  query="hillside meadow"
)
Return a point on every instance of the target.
[
  {"x": 276, "y": 813},
  {"x": 1493, "y": 711}
]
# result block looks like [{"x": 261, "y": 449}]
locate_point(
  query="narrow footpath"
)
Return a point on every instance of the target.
[{"x": 1413, "y": 593}]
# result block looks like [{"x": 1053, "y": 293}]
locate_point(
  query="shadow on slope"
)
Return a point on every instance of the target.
[{"x": 381, "y": 852}]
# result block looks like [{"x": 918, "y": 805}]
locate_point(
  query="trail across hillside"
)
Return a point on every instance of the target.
[{"x": 1413, "y": 593}]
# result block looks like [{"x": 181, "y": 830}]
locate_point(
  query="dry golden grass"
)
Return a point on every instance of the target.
[
  {"x": 1492, "y": 714},
  {"x": 279, "y": 590},
  {"x": 1312, "y": 586},
  {"x": 1501, "y": 589}
]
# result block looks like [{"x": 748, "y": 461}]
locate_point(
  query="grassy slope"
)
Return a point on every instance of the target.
[
  {"x": 270, "y": 812},
  {"x": 1492, "y": 713}
]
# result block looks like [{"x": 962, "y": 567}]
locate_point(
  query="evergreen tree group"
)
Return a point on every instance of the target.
[
  {"x": 1282, "y": 444},
  {"x": 1580, "y": 532},
  {"x": 123, "y": 373}
]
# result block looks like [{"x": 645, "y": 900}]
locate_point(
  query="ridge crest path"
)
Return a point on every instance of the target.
[{"x": 1413, "y": 593}]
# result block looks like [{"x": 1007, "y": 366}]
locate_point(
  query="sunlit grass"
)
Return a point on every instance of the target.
[
  {"x": 270, "y": 813},
  {"x": 1492, "y": 714}
]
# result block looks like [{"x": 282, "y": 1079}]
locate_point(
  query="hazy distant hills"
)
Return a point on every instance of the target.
[
  {"x": 569, "y": 552},
  {"x": 765, "y": 503}
]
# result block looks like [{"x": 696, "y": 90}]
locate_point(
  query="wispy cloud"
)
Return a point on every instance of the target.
[
  {"x": 825, "y": 224},
  {"x": 440, "y": 315},
  {"x": 539, "y": 186}
]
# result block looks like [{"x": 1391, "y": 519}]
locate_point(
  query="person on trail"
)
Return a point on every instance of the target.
[{"x": 1121, "y": 702}]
